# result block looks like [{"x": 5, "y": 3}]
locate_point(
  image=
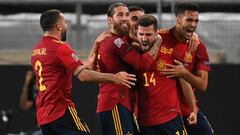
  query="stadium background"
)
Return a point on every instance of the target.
[{"x": 219, "y": 28}]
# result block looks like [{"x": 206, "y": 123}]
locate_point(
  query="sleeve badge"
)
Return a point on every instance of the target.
[
  {"x": 118, "y": 42},
  {"x": 75, "y": 57}
]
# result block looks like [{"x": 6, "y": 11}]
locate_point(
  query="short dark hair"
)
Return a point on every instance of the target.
[
  {"x": 111, "y": 8},
  {"x": 135, "y": 8},
  {"x": 182, "y": 7},
  {"x": 147, "y": 20},
  {"x": 49, "y": 18}
]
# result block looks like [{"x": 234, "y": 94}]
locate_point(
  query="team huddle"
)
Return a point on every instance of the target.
[{"x": 147, "y": 77}]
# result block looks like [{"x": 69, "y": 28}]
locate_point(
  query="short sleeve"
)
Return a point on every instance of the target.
[
  {"x": 202, "y": 58},
  {"x": 68, "y": 57}
]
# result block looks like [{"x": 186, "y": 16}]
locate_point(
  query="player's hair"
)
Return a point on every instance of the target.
[
  {"x": 49, "y": 18},
  {"x": 111, "y": 8},
  {"x": 135, "y": 8},
  {"x": 182, "y": 7},
  {"x": 147, "y": 20}
]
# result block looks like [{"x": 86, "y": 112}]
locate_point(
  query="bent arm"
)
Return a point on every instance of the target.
[
  {"x": 143, "y": 61},
  {"x": 199, "y": 80}
]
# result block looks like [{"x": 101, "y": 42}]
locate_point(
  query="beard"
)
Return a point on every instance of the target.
[
  {"x": 146, "y": 45},
  {"x": 122, "y": 31},
  {"x": 64, "y": 36}
]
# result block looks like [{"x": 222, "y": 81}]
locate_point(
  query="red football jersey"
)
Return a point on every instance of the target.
[
  {"x": 53, "y": 62},
  {"x": 158, "y": 95},
  {"x": 197, "y": 60},
  {"x": 115, "y": 55}
]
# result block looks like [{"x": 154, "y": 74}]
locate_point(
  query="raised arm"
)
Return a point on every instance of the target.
[
  {"x": 92, "y": 56},
  {"x": 141, "y": 61},
  {"x": 193, "y": 42},
  {"x": 155, "y": 48}
]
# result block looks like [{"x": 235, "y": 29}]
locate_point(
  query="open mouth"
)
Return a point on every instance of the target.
[
  {"x": 124, "y": 25},
  {"x": 145, "y": 44},
  {"x": 189, "y": 32}
]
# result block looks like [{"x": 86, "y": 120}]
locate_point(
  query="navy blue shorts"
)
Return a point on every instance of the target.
[
  {"x": 118, "y": 121},
  {"x": 68, "y": 124},
  {"x": 202, "y": 127},
  {"x": 173, "y": 127}
]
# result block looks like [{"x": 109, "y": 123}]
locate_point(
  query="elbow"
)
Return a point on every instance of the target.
[
  {"x": 203, "y": 87},
  {"x": 84, "y": 76}
]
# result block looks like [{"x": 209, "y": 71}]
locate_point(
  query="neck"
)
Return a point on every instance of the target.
[
  {"x": 177, "y": 35},
  {"x": 51, "y": 34},
  {"x": 112, "y": 30}
]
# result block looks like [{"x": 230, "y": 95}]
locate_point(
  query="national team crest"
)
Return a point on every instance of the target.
[
  {"x": 118, "y": 42},
  {"x": 161, "y": 65},
  {"x": 188, "y": 57}
]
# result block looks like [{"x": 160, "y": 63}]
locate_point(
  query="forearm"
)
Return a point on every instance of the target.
[
  {"x": 24, "y": 102},
  {"x": 198, "y": 82},
  {"x": 188, "y": 94},
  {"x": 93, "y": 76}
]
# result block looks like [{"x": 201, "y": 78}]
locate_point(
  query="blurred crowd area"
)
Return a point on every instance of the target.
[{"x": 19, "y": 32}]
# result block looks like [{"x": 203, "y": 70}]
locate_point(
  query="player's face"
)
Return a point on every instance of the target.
[
  {"x": 63, "y": 27},
  {"x": 187, "y": 24},
  {"x": 134, "y": 15},
  {"x": 146, "y": 37},
  {"x": 121, "y": 20}
]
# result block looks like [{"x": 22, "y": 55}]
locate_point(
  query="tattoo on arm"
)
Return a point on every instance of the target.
[{"x": 155, "y": 48}]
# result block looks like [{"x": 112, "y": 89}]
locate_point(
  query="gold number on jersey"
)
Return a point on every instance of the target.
[
  {"x": 151, "y": 80},
  {"x": 38, "y": 67}
]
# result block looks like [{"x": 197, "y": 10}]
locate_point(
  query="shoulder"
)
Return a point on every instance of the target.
[
  {"x": 163, "y": 31},
  {"x": 201, "y": 46},
  {"x": 65, "y": 49},
  {"x": 59, "y": 42},
  {"x": 114, "y": 40}
]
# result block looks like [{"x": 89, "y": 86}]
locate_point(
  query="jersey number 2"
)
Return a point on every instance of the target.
[{"x": 38, "y": 67}]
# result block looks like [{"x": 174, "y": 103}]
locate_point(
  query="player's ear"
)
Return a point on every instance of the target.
[
  {"x": 110, "y": 20},
  {"x": 58, "y": 26},
  {"x": 178, "y": 19}
]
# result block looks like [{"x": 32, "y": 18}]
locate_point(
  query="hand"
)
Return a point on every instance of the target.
[
  {"x": 125, "y": 79},
  {"x": 91, "y": 62},
  {"x": 192, "y": 118},
  {"x": 102, "y": 36},
  {"x": 193, "y": 42},
  {"x": 158, "y": 39},
  {"x": 156, "y": 46},
  {"x": 175, "y": 70}
]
